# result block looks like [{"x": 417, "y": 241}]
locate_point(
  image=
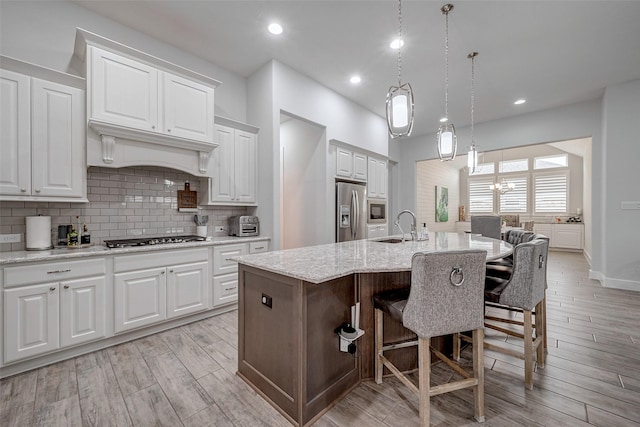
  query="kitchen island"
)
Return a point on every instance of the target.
[{"x": 292, "y": 301}]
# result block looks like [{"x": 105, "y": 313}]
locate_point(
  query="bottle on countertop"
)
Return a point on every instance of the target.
[
  {"x": 85, "y": 237},
  {"x": 424, "y": 232},
  {"x": 72, "y": 236}
]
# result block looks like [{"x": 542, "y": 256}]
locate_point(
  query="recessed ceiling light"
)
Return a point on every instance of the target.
[
  {"x": 520, "y": 101},
  {"x": 396, "y": 44},
  {"x": 275, "y": 28},
  {"x": 355, "y": 79},
  {"x": 444, "y": 119}
]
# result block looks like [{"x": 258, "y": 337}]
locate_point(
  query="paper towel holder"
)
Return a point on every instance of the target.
[{"x": 38, "y": 233}]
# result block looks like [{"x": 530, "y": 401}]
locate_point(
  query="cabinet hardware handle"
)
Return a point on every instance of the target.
[
  {"x": 59, "y": 271},
  {"x": 37, "y": 190},
  {"x": 52, "y": 288},
  {"x": 168, "y": 130},
  {"x": 162, "y": 272},
  {"x": 153, "y": 126},
  {"x": 229, "y": 289},
  {"x": 66, "y": 286},
  {"x": 170, "y": 271},
  {"x": 24, "y": 190},
  {"x": 259, "y": 247}
]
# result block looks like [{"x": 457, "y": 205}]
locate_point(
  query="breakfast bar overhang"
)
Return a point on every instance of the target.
[{"x": 292, "y": 301}]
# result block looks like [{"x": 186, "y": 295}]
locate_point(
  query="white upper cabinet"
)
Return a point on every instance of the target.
[
  {"x": 351, "y": 164},
  {"x": 42, "y": 145},
  {"x": 234, "y": 165},
  {"x": 377, "y": 179},
  {"x": 123, "y": 91},
  {"x": 143, "y": 110}
]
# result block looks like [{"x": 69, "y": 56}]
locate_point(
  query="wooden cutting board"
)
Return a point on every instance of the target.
[{"x": 187, "y": 199}]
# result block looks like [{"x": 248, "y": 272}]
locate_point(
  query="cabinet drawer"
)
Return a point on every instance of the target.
[
  {"x": 53, "y": 271},
  {"x": 225, "y": 288},
  {"x": 257, "y": 247},
  {"x": 158, "y": 259},
  {"x": 221, "y": 265}
]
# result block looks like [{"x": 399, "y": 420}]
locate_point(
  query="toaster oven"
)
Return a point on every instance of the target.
[{"x": 244, "y": 225}]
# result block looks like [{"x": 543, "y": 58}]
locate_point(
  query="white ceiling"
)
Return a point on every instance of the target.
[{"x": 552, "y": 53}]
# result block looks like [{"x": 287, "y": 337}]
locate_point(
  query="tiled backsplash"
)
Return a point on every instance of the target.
[{"x": 123, "y": 203}]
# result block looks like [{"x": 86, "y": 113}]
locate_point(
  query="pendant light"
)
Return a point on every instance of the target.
[
  {"x": 400, "y": 98},
  {"x": 472, "y": 156},
  {"x": 447, "y": 141}
]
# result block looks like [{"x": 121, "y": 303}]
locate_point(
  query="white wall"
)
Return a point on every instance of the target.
[
  {"x": 43, "y": 33},
  {"x": 429, "y": 174},
  {"x": 620, "y": 154},
  {"x": 277, "y": 89},
  {"x": 303, "y": 160}
]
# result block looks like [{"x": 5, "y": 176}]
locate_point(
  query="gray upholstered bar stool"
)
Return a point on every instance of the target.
[
  {"x": 523, "y": 292},
  {"x": 446, "y": 296},
  {"x": 487, "y": 225}
]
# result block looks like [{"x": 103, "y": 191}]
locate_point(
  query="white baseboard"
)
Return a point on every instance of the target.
[
  {"x": 587, "y": 256},
  {"x": 609, "y": 282}
]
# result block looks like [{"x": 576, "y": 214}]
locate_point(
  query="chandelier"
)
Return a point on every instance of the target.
[{"x": 400, "y": 98}]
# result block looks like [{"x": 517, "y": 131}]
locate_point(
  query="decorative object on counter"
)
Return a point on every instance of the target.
[
  {"x": 461, "y": 213},
  {"x": 574, "y": 219},
  {"x": 472, "y": 156},
  {"x": 38, "y": 233},
  {"x": 201, "y": 224},
  {"x": 72, "y": 237},
  {"x": 400, "y": 98},
  {"x": 187, "y": 199},
  {"x": 63, "y": 230},
  {"x": 447, "y": 140},
  {"x": 442, "y": 204},
  {"x": 85, "y": 237}
]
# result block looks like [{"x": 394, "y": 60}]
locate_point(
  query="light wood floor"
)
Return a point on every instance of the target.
[{"x": 185, "y": 376}]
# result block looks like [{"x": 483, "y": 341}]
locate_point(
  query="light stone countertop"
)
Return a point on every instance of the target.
[
  {"x": 61, "y": 253},
  {"x": 317, "y": 264}
]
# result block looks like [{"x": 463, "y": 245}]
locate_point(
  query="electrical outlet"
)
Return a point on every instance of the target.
[
  {"x": 10, "y": 238},
  {"x": 219, "y": 228}
]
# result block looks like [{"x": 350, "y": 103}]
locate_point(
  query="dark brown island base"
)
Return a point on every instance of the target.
[{"x": 292, "y": 301}]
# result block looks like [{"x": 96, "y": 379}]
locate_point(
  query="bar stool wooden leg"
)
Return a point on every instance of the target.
[
  {"x": 540, "y": 356},
  {"x": 456, "y": 346},
  {"x": 478, "y": 373},
  {"x": 424, "y": 374},
  {"x": 379, "y": 344},
  {"x": 544, "y": 321},
  {"x": 528, "y": 350}
]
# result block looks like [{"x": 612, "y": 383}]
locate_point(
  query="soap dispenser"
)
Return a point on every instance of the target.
[{"x": 424, "y": 232}]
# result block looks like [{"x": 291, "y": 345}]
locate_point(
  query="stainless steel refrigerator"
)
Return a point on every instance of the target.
[{"x": 351, "y": 211}]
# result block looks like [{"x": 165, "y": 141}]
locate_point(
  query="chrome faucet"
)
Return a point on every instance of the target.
[{"x": 414, "y": 233}]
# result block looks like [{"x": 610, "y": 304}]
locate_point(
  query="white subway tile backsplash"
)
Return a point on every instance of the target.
[{"x": 123, "y": 203}]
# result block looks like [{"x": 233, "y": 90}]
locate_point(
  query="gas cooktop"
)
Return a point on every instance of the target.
[{"x": 149, "y": 241}]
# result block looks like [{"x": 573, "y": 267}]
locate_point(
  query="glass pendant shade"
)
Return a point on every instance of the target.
[
  {"x": 447, "y": 142},
  {"x": 472, "y": 159},
  {"x": 400, "y": 110}
]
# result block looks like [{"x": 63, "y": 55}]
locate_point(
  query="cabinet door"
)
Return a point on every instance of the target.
[
  {"x": 221, "y": 187},
  {"x": 123, "y": 91},
  {"x": 245, "y": 167},
  {"x": 82, "y": 310},
  {"x": 359, "y": 166},
  {"x": 187, "y": 289},
  {"x": 381, "y": 178},
  {"x": 30, "y": 321},
  {"x": 15, "y": 134},
  {"x": 225, "y": 289},
  {"x": 139, "y": 298},
  {"x": 344, "y": 162},
  {"x": 567, "y": 236},
  {"x": 372, "y": 182},
  {"x": 188, "y": 108},
  {"x": 58, "y": 140}
]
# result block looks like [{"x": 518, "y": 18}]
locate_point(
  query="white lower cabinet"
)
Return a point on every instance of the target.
[
  {"x": 152, "y": 287},
  {"x": 41, "y": 316},
  {"x": 567, "y": 236},
  {"x": 225, "y": 271}
]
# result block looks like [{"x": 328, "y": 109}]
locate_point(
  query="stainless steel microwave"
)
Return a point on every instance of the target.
[{"x": 376, "y": 211}]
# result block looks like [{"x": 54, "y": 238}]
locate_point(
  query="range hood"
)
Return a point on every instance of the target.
[{"x": 144, "y": 111}]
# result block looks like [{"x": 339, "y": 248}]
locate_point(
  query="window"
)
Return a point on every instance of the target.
[
  {"x": 480, "y": 195},
  {"x": 483, "y": 169},
  {"x": 515, "y": 201},
  {"x": 550, "y": 192},
  {"x": 548, "y": 162},
  {"x": 519, "y": 165}
]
